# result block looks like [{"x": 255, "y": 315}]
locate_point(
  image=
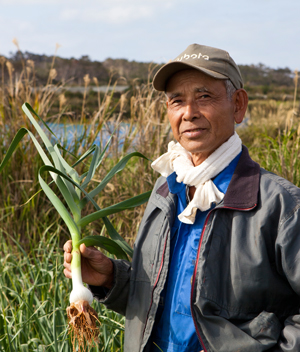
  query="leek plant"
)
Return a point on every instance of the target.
[{"x": 75, "y": 193}]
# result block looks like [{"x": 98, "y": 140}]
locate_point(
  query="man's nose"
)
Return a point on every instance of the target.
[{"x": 191, "y": 111}]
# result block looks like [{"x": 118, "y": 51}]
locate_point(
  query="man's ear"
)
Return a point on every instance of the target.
[{"x": 240, "y": 100}]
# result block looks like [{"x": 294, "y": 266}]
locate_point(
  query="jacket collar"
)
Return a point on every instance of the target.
[
  {"x": 243, "y": 189},
  {"x": 163, "y": 190}
]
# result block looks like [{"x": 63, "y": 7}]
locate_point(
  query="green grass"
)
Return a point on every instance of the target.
[
  {"x": 33, "y": 290},
  {"x": 33, "y": 299}
]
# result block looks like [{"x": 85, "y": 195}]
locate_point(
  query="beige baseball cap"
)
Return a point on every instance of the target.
[{"x": 214, "y": 62}]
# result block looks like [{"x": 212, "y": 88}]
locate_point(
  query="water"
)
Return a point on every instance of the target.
[
  {"x": 70, "y": 135},
  {"x": 81, "y": 89},
  {"x": 101, "y": 89}
]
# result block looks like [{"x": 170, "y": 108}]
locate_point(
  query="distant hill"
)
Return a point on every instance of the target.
[
  {"x": 258, "y": 78},
  {"x": 73, "y": 70}
]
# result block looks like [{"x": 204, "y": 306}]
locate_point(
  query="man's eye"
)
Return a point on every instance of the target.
[
  {"x": 204, "y": 96},
  {"x": 176, "y": 101}
]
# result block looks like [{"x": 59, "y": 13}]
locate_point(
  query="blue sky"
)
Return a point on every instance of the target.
[{"x": 253, "y": 31}]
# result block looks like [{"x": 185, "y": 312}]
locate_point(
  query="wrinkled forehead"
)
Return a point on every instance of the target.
[{"x": 191, "y": 79}]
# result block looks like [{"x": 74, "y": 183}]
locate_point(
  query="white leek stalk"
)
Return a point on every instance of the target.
[
  {"x": 82, "y": 317},
  {"x": 79, "y": 291}
]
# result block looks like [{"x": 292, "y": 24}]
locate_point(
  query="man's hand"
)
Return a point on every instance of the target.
[{"x": 96, "y": 268}]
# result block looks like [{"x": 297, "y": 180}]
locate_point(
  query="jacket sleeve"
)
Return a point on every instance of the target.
[
  {"x": 288, "y": 263},
  {"x": 116, "y": 298}
]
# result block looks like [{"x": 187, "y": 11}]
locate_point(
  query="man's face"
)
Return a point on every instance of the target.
[{"x": 201, "y": 116}]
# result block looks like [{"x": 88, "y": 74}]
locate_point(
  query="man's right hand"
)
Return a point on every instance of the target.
[{"x": 96, "y": 268}]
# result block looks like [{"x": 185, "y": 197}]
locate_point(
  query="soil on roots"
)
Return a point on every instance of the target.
[{"x": 82, "y": 323}]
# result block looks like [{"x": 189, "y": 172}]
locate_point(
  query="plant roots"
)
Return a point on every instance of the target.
[{"x": 82, "y": 323}]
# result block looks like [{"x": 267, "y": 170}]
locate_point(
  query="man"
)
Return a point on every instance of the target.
[{"x": 216, "y": 263}]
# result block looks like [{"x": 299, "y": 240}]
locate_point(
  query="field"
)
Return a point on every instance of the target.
[{"x": 33, "y": 289}]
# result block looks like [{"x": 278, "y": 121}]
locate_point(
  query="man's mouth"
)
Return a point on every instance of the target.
[{"x": 194, "y": 130}]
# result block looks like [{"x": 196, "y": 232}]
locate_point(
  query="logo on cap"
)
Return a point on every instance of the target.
[{"x": 193, "y": 56}]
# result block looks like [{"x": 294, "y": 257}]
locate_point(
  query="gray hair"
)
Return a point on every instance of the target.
[{"x": 230, "y": 89}]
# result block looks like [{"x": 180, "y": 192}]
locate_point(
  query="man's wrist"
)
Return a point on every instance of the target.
[{"x": 109, "y": 283}]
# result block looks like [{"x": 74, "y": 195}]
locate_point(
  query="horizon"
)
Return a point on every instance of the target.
[
  {"x": 260, "y": 31},
  {"x": 11, "y": 54}
]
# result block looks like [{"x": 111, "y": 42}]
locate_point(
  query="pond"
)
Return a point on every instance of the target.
[{"x": 72, "y": 135}]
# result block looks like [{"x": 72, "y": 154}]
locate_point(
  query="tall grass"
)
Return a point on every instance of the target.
[
  {"x": 31, "y": 235},
  {"x": 145, "y": 130},
  {"x": 272, "y": 135}
]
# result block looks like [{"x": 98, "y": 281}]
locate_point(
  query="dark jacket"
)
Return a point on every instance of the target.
[{"x": 245, "y": 291}]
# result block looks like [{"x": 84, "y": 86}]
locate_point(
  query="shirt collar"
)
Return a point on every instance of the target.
[{"x": 222, "y": 180}]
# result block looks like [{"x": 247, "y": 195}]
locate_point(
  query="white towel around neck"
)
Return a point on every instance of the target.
[{"x": 179, "y": 160}]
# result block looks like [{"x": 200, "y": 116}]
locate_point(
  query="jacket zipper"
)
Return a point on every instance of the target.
[
  {"x": 196, "y": 266},
  {"x": 156, "y": 281}
]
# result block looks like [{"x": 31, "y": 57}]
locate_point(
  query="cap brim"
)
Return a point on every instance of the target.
[{"x": 163, "y": 74}]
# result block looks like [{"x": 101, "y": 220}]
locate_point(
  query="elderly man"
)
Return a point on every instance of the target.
[{"x": 216, "y": 263}]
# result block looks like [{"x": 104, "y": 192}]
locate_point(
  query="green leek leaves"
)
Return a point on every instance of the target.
[{"x": 73, "y": 187}]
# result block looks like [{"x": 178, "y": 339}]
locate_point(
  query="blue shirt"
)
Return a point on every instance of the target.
[{"x": 174, "y": 329}]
